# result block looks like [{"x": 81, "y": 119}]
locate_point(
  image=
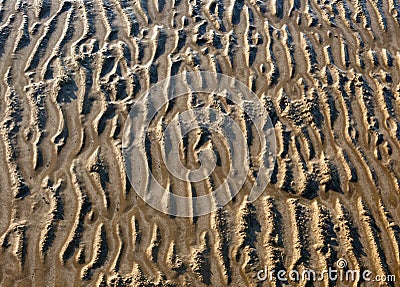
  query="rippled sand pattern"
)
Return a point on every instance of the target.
[{"x": 326, "y": 71}]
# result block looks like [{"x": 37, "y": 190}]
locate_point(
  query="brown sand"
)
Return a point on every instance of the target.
[{"x": 328, "y": 74}]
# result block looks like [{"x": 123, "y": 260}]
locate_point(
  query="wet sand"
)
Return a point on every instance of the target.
[{"x": 327, "y": 73}]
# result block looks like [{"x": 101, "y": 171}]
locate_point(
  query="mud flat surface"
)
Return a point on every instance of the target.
[{"x": 326, "y": 71}]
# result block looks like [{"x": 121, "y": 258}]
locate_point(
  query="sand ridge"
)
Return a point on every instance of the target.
[{"x": 327, "y": 72}]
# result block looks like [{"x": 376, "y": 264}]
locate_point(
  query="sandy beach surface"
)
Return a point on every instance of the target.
[{"x": 327, "y": 73}]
